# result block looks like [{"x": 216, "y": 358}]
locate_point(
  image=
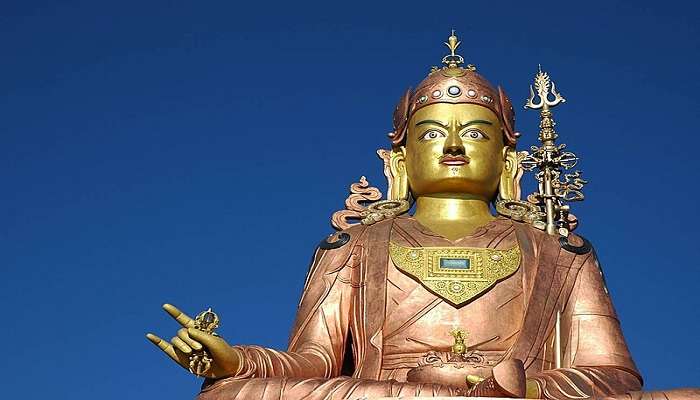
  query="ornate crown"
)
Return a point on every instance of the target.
[{"x": 454, "y": 84}]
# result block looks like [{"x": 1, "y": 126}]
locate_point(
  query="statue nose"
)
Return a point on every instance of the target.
[{"x": 453, "y": 145}]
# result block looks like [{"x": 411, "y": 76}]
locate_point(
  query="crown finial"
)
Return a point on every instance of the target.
[{"x": 453, "y": 60}]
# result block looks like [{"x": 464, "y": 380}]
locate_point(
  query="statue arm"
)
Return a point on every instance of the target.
[
  {"x": 594, "y": 349},
  {"x": 318, "y": 341}
]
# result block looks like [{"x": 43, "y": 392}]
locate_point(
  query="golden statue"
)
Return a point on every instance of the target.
[{"x": 389, "y": 298}]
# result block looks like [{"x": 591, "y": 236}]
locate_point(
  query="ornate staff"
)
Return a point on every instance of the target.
[{"x": 550, "y": 159}]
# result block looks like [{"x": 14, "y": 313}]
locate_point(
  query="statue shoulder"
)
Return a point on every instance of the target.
[
  {"x": 334, "y": 251},
  {"x": 344, "y": 238},
  {"x": 574, "y": 243}
]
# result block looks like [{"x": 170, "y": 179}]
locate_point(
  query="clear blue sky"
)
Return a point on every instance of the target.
[{"x": 193, "y": 152}]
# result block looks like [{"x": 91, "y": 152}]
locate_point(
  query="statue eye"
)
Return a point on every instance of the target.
[
  {"x": 475, "y": 134},
  {"x": 432, "y": 134}
]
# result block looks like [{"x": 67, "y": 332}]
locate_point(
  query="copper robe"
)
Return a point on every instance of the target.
[{"x": 361, "y": 323}]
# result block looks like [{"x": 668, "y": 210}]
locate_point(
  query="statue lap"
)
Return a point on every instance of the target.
[
  {"x": 319, "y": 389},
  {"x": 347, "y": 388}
]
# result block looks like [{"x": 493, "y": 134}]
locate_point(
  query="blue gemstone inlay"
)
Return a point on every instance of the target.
[{"x": 454, "y": 263}]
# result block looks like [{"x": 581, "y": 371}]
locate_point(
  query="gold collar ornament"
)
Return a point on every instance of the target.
[{"x": 456, "y": 274}]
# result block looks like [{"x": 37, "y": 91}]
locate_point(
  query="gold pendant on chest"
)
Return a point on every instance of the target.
[{"x": 456, "y": 274}]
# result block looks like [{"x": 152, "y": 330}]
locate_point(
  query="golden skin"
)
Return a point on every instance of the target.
[
  {"x": 227, "y": 360},
  {"x": 453, "y": 200}
]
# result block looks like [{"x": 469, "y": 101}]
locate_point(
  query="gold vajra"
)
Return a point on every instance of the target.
[{"x": 200, "y": 361}]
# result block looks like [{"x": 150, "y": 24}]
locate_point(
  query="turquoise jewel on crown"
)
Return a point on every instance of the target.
[{"x": 454, "y": 263}]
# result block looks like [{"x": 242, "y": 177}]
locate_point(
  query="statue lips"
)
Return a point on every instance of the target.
[{"x": 454, "y": 160}]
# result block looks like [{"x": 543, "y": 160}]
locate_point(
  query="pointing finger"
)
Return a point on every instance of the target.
[
  {"x": 179, "y": 316},
  {"x": 163, "y": 345},
  {"x": 182, "y": 334}
]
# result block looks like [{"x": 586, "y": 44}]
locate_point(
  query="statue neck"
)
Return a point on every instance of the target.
[{"x": 452, "y": 217}]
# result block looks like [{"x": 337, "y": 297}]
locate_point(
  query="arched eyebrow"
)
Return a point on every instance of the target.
[
  {"x": 474, "y": 122},
  {"x": 432, "y": 121}
]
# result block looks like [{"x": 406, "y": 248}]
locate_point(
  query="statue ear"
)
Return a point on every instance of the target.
[
  {"x": 509, "y": 187},
  {"x": 397, "y": 165},
  {"x": 395, "y": 172}
]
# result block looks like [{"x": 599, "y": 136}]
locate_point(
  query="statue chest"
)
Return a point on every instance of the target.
[
  {"x": 418, "y": 320},
  {"x": 435, "y": 286}
]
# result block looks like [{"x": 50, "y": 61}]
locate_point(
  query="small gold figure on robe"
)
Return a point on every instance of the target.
[{"x": 459, "y": 348}]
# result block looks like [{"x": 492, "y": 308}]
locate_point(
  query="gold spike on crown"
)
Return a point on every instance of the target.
[{"x": 453, "y": 60}]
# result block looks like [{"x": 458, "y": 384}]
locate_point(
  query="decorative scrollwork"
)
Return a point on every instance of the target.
[
  {"x": 384, "y": 209},
  {"x": 360, "y": 192},
  {"x": 521, "y": 211},
  {"x": 432, "y": 358},
  {"x": 570, "y": 188}
]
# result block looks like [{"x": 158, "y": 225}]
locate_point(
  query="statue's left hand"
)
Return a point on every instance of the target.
[{"x": 226, "y": 359}]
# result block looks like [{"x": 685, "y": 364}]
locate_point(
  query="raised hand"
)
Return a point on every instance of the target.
[{"x": 190, "y": 341}]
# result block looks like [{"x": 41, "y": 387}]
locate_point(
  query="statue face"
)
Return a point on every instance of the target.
[{"x": 454, "y": 149}]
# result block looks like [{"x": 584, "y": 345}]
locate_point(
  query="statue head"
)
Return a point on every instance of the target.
[{"x": 454, "y": 135}]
